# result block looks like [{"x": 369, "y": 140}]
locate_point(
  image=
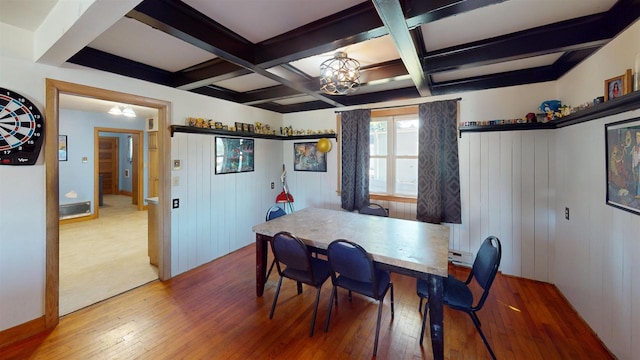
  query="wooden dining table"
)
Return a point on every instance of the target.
[{"x": 406, "y": 247}]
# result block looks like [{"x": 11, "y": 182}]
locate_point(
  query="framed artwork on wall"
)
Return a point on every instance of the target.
[
  {"x": 622, "y": 141},
  {"x": 62, "y": 147},
  {"x": 617, "y": 86},
  {"x": 306, "y": 157},
  {"x": 233, "y": 155}
]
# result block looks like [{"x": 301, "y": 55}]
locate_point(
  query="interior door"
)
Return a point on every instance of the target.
[
  {"x": 154, "y": 174},
  {"x": 135, "y": 186},
  {"x": 108, "y": 164}
]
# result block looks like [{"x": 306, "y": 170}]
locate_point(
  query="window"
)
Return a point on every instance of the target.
[{"x": 393, "y": 166}]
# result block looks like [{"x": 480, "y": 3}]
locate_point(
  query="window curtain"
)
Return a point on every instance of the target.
[
  {"x": 438, "y": 165},
  {"x": 355, "y": 159}
]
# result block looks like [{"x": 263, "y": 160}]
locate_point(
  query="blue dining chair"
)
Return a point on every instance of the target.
[
  {"x": 352, "y": 268},
  {"x": 274, "y": 212},
  {"x": 374, "y": 209},
  {"x": 299, "y": 266},
  {"x": 457, "y": 294}
]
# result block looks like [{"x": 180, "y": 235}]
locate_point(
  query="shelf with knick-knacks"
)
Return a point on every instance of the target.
[
  {"x": 618, "y": 105},
  {"x": 214, "y": 131}
]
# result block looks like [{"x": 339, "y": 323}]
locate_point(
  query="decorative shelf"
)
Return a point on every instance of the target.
[
  {"x": 197, "y": 130},
  {"x": 615, "y": 106}
]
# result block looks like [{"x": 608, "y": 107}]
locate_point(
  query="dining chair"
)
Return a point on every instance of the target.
[
  {"x": 457, "y": 294},
  {"x": 374, "y": 209},
  {"x": 274, "y": 212},
  {"x": 299, "y": 266},
  {"x": 352, "y": 268}
]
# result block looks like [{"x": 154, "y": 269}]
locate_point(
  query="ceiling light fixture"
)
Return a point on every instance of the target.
[
  {"x": 339, "y": 75},
  {"x": 128, "y": 112},
  {"x": 115, "y": 110}
]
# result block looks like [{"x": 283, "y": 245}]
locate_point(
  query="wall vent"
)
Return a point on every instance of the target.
[
  {"x": 461, "y": 258},
  {"x": 69, "y": 211}
]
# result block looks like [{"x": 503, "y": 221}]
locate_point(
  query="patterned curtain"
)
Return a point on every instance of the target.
[
  {"x": 438, "y": 166},
  {"x": 355, "y": 159}
]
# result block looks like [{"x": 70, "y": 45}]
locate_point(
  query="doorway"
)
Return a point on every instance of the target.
[{"x": 53, "y": 90}]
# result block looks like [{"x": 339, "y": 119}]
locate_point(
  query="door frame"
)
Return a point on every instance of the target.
[
  {"x": 139, "y": 168},
  {"x": 53, "y": 89}
]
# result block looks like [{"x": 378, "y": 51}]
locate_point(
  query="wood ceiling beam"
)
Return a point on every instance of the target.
[
  {"x": 585, "y": 32},
  {"x": 185, "y": 23},
  {"x": 392, "y": 16},
  {"x": 101, "y": 60},
  {"x": 510, "y": 78},
  {"x": 420, "y": 12}
]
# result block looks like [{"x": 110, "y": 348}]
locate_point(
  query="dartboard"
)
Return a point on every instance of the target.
[{"x": 21, "y": 129}]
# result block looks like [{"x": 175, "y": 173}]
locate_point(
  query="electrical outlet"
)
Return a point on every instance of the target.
[
  {"x": 272, "y": 185},
  {"x": 566, "y": 213},
  {"x": 176, "y": 203}
]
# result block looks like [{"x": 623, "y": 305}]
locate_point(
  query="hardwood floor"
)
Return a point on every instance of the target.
[{"x": 212, "y": 312}]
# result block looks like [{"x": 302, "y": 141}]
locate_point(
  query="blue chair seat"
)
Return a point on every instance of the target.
[
  {"x": 358, "y": 273},
  {"x": 319, "y": 269},
  {"x": 457, "y": 294},
  {"x": 365, "y": 288},
  {"x": 291, "y": 252}
]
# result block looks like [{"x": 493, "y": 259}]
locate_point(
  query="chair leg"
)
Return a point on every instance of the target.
[
  {"x": 299, "y": 288},
  {"x": 424, "y": 320},
  {"x": 275, "y": 298},
  {"x": 391, "y": 287},
  {"x": 375, "y": 343},
  {"x": 315, "y": 312},
  {"x": 476, "y": 322},
  {"x": 419, "y": 305},
  {"x": 349, "y": 295},
  {"x": 273, "y": 263},
  {"x": 333, "y": 295}
]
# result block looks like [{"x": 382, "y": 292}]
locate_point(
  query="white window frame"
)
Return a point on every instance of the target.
[{"x": 391, "y": 155}]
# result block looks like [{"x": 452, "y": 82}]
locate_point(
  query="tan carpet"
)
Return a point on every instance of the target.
[{"x": 104, "y": 257}]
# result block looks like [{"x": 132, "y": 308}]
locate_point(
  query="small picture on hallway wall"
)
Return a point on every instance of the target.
[
  {"x": 623, "y": 164},
  {"x": 62, "y": 147}
]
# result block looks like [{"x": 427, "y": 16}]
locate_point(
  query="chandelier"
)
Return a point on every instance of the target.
[{"x": 339, "y": 75}]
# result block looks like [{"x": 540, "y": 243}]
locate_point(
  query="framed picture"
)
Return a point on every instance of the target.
[
  {"x": 306, "y": 157},
  {"x": 617, "y": 86},
  {"x": 233, "y": 155},
  {"x": 62, "y": 148},
  {"x": 623, "y": 164}
]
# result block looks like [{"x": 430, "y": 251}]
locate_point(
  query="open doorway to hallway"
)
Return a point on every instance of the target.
[
  {"x": 107, "y": 253},
  {"x": 54, "y": 90}
]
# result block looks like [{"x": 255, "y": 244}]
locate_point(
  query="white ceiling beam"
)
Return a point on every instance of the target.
[{"x": 73, "y": 24}]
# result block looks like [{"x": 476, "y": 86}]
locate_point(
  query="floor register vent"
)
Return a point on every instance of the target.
[
  {"x": 69, "y": 211},
  {"x": 461, "y": 258}
]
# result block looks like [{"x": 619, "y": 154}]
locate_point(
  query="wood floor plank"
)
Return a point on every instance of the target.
[{"x": 212, "y": 313}]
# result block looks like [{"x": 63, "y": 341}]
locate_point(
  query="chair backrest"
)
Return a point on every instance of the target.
[
  {"x": 292, "y": 252},
  {"x": 374, "y": 209},
  {"x": 275, "y": 212},
  {"x": 485, "y": 266},
  {"x": 351, "y": 261}
]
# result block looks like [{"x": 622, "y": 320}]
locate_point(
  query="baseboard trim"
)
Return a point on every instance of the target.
[{"x": 22, "y": 331}]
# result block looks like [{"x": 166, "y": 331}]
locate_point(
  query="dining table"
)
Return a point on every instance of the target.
[{"x": 407, "y": 247}]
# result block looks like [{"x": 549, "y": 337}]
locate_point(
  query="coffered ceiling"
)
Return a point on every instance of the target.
[{"x": 267, "y": 53}]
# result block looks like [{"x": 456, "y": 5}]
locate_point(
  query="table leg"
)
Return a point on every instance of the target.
[
  {"x": 261, "y": 263},
  {"x": 436, "y": 315}
]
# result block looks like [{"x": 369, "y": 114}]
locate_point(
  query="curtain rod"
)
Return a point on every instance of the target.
[{"x": 396, "y": 107}]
